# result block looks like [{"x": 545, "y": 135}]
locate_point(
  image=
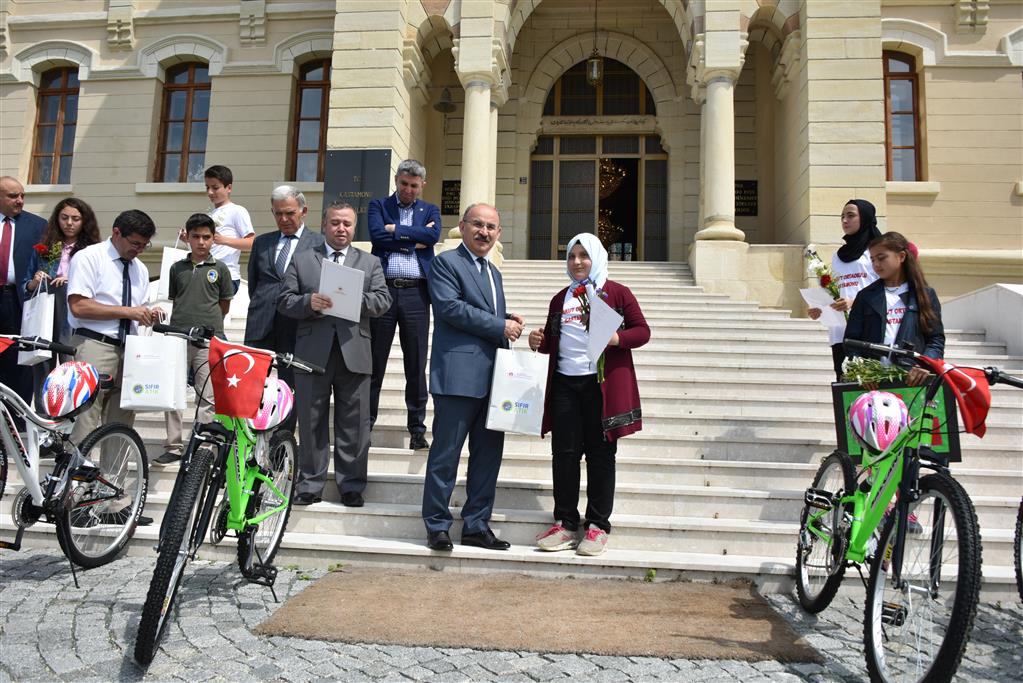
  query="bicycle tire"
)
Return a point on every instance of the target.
[
  {"x": 92, "y": 534},
  {"x": 179, "y": 532},
  {"x": 1017, "y": 550},
  {"x": 817, "y": 590},
  {"x": 267, "y": 537},
  {"x": 905, "y": 637}
]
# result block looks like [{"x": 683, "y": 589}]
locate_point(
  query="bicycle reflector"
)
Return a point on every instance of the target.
[
  {"x": 876, "y": 418},
  {"x": 70, "y": 388}
]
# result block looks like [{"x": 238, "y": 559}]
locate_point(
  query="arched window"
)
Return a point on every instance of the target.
[
  {"x": 184, "y": 119},
  {"x": 310, "y": 132},
  {"x": 902, "y": 116},
  {"x": 56, "y": 118},
  {"x": 621, "y": 92}
]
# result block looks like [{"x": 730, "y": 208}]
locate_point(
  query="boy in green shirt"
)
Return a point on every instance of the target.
[{"x": 201, "y": 289}]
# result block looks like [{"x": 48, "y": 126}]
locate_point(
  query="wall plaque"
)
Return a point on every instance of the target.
[
  {"x": 745, "y": 198},
  {"x": 450, "y": 195},
  {"x": 357, "y": 176}
]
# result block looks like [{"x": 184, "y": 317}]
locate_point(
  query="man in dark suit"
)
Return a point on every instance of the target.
[
  {"x": 342, "y": 348},
  {"x": 272, "y": 252},
  {"x": 20, "y": 231},
  {"x": 471, "y": 324},
  {"x": 404, "y": 229}
]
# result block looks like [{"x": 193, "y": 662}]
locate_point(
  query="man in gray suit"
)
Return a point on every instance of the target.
[
  {"x": 470, "y": 325},
  {"x": 343, "y": 348}
]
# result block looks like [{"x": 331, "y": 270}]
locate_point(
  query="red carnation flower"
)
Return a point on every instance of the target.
[
  {"x": 40, "y": 248},
  {"x": 825, "y": 280},
  {"x": 579, "y": 291}
]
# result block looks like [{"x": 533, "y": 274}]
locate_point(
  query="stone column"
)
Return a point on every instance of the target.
[
  {"x": 718, "y": 134},
  {"x": 478, "y": 150},
  {"x": 492, "y": 165}
]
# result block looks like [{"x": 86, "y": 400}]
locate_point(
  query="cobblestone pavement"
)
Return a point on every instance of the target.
[{"x": 49, "y": 630}]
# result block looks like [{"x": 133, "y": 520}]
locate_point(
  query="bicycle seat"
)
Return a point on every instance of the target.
[{"x": 106, "y": 381}]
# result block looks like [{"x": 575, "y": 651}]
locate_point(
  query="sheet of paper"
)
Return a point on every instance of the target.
[
  {"x": 818, "y": 297},
  {"x": 604, "y": 322},
  {"x": 344, "y": 287}
]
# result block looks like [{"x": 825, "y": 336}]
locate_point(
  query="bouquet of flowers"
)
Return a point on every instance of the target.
[
  {"x": 822, "y": 271},
  {"x": 871, "y": 371},
  {"x": 51, "y": 255},
  {"x": 579, "y": 292}
]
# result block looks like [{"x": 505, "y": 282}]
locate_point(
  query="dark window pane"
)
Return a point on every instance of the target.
[
  {"x": 653, "y": 145},
  {"x": 544, "y": 145},
  {"x": 541, "y": 198},
  {"x": 177, "y": 75},
  {"x": 651, "y": 107},
  {"x": 49, "y": 106},
  {"x": 621, "y": 145},
  {"x": 621, "y": 89},
  {"x": 655, "y": 202},
  {"x": 46, "y": 137},
  {"x": 902, "y": 130},
  {"x": 897, "y": 66},
  {"x": 70, "y": 108},
  {"x": 64, "y": 175},
  {"x": 171, "y": 168},
  {"x": 42, "y": 167},
  {"x": 314, "y": 72},
  {"x": 578, "y": 145},
  {"x": 578, "y": 98},
  {"x": 202, "y": 74},
  {"x": 201, "y": 104},
  {"x": 197, "y": 137},
  {"x": 175, "y": 137},
  {"x": 67, "y": 141},
  {"x": 51, "y": 79},
  {"x": 72, "y": 80},
  {"x": 904, "y": 164},
  {"x": 548, "y": 104},
  {"x": 900, "y": 91},
  {"x": 306, "y": 167},
  {"x": 309, "y": 135},
  {"x": 312, "y": 99},
  {"x": 176, "y": 109},
  {"x": 196, "y": 164},
  {"x": 576, "y": 195}
]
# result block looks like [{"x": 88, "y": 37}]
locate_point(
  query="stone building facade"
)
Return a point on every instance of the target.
[{"x": 794, "y": 105}]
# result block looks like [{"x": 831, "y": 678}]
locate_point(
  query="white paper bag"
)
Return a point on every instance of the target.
[
  {"x": 517, "y": 392},
  {"x": 155, "y": 373},
  {"x": 171, "y": 255},
  {"x": 37, "y": 321}
]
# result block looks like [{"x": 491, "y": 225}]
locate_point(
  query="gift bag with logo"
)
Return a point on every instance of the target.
[
  {"x": 171, "y": 255},
  {"x": 155, "y": 373},
  {"x": 37, "y": 321},
  {"x": 517, "y": 392}
]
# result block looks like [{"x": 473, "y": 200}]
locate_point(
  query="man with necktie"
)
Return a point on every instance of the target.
[
  {"x": 20, "y": 231},
  {"x": 470, "y": 324},
  {"x": 107, "y": 289},
  {"x": 342, "y": 348},
  {"x": 271, "y": 254}
]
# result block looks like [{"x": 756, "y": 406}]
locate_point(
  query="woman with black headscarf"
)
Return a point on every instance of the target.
[{"x": 850, "y": 268}]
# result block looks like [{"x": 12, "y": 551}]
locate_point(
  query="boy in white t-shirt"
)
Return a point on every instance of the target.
[{"x": 234, "y": 227}]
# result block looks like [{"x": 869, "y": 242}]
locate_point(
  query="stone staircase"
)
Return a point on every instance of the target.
[{"x": 737, "y": 414}]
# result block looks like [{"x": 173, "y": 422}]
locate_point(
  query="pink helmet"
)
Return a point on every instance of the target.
[
  {"x": 876, "y": 418},
  {"x": 70, "y": 388},
  {"x": 275, "y": 406}
]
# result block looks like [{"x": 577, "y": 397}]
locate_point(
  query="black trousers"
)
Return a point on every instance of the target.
[
  {"x": 410, "y": 314},
  {"x": 17, "y": 377},
  {"x": 576, "y": 406},
  {"x": 837, "y": 356},
  {"x": 281, "y": 340}
]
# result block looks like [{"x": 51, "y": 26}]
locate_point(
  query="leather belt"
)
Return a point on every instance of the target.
[
  {"x": 400, "y": 283},
  {"x": 96, "y": 336}
]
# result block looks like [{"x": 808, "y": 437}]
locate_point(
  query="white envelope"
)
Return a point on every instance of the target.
[
  {"x": 344, "y": 287},
  {"x": 604, "y": 322}
]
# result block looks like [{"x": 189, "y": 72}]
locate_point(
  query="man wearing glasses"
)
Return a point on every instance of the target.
[
  {"x": 471, "y": 323},
  {"x": 106, "y": 292}
]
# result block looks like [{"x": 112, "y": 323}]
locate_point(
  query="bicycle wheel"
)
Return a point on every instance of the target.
[
  {"x": 175, "y": 550},
  {"x": 1017, "y": 550},
  {"x": 820, "y": 554},
  {"x": 917, "y": 631},
  {"x": 106, "y": 502},
  {"x": 266, "y": 537}
]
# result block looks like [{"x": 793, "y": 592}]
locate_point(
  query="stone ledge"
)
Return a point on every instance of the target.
[{"x": 66, "y": 189}]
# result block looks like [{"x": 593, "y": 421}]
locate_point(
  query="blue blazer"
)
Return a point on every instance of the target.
[
  {"x": 404, "y": 238},
  {"x": 869, "y": 315},
  {"x": 466, "y": 332},
  {"x": 28, "y": 232}
]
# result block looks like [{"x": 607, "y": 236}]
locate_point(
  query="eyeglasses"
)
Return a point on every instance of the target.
[
  {"x": 137, "y": 245},
  {"x": 480, "y": 225}
]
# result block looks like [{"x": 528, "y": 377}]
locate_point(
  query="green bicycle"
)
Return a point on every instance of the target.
[
  {"x": 256, "y": 463},
  {"x": 924, "y": 554}
]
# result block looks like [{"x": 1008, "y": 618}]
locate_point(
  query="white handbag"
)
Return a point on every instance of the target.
[
  {"x": 37, "y": 321},
  {"x": 171, "y": 255},
  {"x": 517, "y": 392},
  {"x": 155, "y": 373}
]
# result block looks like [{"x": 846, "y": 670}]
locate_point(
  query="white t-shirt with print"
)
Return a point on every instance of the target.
[
  {"x": 896, "y": 311},
  {"x": 851, "y": 278},
  {"x": 572, "y": 358},
  {"x": 231, "y": 220}
]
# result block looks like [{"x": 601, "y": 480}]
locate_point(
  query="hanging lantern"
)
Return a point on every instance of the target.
[{"x": 595, "y": 64}]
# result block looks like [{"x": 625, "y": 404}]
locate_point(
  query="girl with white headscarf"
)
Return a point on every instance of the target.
[{"x": 588, "y": 405}]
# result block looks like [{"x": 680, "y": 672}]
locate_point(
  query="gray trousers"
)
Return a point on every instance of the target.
[
  {"x": 109, "y": 360},
  {"x": 197, "y": 361}
]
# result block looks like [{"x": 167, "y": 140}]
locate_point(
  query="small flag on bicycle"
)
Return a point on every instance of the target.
[
  {"x": 5, "y": 343},
  {"x": 238, "y": 373}
]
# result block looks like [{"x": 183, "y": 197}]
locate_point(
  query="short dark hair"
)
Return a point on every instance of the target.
[
  {"x": 200, "y": 220},
  {"x": 337, "y": 205},
  {"x": 221, "y": 173},
  {"x": 135, "y": 222}
]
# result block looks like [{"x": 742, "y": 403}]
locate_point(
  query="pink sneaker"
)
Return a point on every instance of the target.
[
  {"x": 556, "y": 538},
  {"x": 594, "y": 542}
]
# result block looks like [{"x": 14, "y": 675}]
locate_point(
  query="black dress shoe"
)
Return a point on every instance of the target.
[
  {"x": 439, "y": 540},
  {"x": 485, "y": 539},
  {"x": 306, "y": 499},
  {"x": 352, "y": 499},
  {"x": 418, "y": 442}
]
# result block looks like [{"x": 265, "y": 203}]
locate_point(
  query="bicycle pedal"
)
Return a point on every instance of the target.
[
  {"x": 816, "y": 498},
  {"x": 893, "y": 614}
]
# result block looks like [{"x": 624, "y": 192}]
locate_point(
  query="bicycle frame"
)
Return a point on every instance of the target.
[
  {"x": 26, "y": 455},
  {"x": 241, "y": 476}
]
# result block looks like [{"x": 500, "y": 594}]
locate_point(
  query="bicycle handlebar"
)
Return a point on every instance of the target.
[
  {"x": 30, "y": 343},
  {"x": 993, "y": 375},
  {"x": 202, "y": 335},
  {"x": 996, "y": 376}
]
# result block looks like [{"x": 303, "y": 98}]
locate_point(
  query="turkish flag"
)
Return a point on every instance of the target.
[
  {"x": 5, "y": 343},
  {"x": 238, "y": 373},
  {"x": 970, "y": 387}
]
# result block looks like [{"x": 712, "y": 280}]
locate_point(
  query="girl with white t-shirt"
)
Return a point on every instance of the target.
[
  {"x": 899, "y": 308},
  {"x": 850, "y": 268}
]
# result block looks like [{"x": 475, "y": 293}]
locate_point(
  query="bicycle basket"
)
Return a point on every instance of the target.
[
  {"x": 275, "y": 406},
  {"x": 70, "y": 388}
]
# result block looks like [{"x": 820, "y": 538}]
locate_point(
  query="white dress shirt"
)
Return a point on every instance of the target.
[
  {"x": 281, "y": 241},
  {"x": 12, "y": 277},
  {"x": 97, "y": 273}
]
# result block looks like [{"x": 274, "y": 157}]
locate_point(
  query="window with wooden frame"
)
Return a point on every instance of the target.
[
  {"x": 621, "y": 92},
  {"x": 310, "y": 114},
  {"x": 902, "y": 117},
  {"x": 181, "y": 150},
  {"x": 56, "y": 119}
]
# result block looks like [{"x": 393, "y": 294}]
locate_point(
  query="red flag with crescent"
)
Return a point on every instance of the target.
[{"x": 238, "y": 373}]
